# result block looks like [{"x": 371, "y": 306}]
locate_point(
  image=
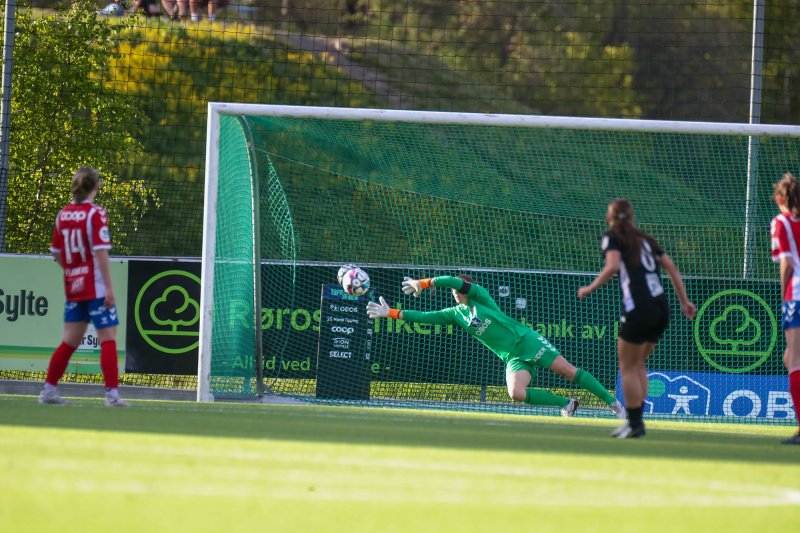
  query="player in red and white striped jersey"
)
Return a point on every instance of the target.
[
  {"x": 80, "y": 244},
  {"x": 785, "y": 230}
]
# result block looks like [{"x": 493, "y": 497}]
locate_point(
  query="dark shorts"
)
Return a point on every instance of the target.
[{"x": 646, "y": 323}]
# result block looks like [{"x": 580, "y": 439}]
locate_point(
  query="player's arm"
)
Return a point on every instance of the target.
[
  {"x": 781, "y": 252},
  {"x": 473, "y": 291},
  {"x": 104, "y": 264},
  {"x": 416, "y": 286},
  {"x": 101, "y": 244},
  {"x": 787, "y": 269},
  {"x": 687, "y": 307},
  {"x": 612, "y": 266},
  {"x": 382, "y": 310},
  {"x": 56, "y": 244}
]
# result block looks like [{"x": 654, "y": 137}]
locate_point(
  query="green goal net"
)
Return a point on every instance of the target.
[{"x": 516, "y": 202}]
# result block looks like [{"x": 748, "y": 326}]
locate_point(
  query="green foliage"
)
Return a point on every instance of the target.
[
  {"x": 172, "y": 72},
  {"x": 681, "y": 60},
  {"x": 64, "y": 116},
  {"x": 146, "y": 84}
]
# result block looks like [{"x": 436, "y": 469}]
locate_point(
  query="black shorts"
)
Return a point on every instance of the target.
[{"x": 645, "y": 323}]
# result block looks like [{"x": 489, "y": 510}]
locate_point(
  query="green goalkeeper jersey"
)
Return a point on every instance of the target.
[{"x": 482, "y": 319}]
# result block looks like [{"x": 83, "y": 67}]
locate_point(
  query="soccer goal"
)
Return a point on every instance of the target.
[{"x": 518, "y": 202}]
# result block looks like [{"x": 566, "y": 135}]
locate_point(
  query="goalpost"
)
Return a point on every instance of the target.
[{"x": 518, "y": 201}]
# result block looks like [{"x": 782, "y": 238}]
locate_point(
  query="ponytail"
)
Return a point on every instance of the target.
[
  {"x": 84, "y": 181},
  {"x": 626, "y": 233},
  {"x": 788, "y": 189}
]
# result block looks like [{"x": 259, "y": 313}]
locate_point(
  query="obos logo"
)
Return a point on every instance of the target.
[
  {"x": 707, "y": 394},
  {"x": 165, "y": 314},
  {"x": 482, "y": 328}
]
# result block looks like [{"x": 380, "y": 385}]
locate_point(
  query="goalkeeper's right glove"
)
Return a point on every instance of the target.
[
  {"x": 381, "y": 310},
  {"x": 415, "y": 286}
]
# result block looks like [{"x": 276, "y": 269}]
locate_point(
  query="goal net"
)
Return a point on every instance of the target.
[{"x": 518, "y": 202}]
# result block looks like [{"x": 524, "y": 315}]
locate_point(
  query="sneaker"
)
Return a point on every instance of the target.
[
  {"x": 618, "y": 410},
  {"x": 569, "y": 409},
  {"x": 113, "y": 400},
  {"x": 625, "y": 431},
  {"x": 792, "y": 440},
  {"x": 52, "y": 398}
]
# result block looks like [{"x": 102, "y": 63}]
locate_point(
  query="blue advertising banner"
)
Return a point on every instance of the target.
[{"x": 716, "y": 394}]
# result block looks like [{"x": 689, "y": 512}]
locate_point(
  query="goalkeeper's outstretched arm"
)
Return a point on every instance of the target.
[
  {"x": 381, "y": 309},
  {"x": 411, "y": 286}
]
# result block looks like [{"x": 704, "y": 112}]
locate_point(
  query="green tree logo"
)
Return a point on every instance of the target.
[
  {"x": 735, "y": 328},
  {"x": 164, "y": 312},
  {"x": 169, "y": 321},
  {"x": 735, "y": 331}
]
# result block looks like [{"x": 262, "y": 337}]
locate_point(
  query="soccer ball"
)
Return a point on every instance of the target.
[
  {"x": 355, "y": 281},
  {"x": 342, "y": 271}
]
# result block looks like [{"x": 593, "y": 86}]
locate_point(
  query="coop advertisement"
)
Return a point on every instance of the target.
[{"x": 32, "y": 315}]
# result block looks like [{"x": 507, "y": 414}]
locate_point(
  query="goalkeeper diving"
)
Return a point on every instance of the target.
[{"x": 522, "y": 350}]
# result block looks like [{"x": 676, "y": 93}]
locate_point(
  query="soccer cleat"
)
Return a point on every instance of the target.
[
  {"x": 113, "y": 400},
  {"x": 618, "y": 410},
  {"x": 795, "y": 439},
  {"x": 625, "y": 431},
  {"x": 569, "y": 409},
  {"x": 51, "y": 398}
]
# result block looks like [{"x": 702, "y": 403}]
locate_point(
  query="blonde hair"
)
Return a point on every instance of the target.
[
  {"x": 787, "y": 188},
  {"x": 84, "y": 181}
]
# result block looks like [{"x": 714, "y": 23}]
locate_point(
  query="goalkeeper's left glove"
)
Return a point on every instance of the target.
[
  {"x": 381, "y": 310},
  {"x": 415, "y": 286}
]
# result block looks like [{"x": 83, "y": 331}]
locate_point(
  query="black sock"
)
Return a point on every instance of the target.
[{"x": 635, "y": 416}]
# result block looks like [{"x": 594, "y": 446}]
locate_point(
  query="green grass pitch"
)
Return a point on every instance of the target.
[{"x": 171, "y": 466}]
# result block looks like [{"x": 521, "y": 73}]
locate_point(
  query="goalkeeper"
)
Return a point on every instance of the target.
[{"x": 521, "y": 349}]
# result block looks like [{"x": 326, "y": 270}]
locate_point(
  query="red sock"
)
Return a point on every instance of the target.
[
  {"x": 108, "y": 363},
  {"x": 794, "y": 390},
  {"x": 58, "y": 363}
]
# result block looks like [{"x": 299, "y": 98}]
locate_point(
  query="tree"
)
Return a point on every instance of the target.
[{"x": 63, "y": 115}]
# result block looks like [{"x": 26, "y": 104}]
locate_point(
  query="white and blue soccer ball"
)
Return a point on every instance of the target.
[
  {"x": 355, "y": 282},
  {"x": 342, "y": 271}
]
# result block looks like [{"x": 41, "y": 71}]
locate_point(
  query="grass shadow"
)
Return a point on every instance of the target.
[{"x": 394, "y": 427}]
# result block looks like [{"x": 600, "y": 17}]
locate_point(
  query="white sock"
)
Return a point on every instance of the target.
[
  {"x": 195, "y": 17},
  {"x": 50, "y": 388}
]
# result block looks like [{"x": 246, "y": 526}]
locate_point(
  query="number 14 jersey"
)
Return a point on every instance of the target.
[{"x": 80, "y": 230}]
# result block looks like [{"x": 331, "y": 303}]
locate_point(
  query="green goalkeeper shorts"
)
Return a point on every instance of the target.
[{"x": 531, "y": 353}]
